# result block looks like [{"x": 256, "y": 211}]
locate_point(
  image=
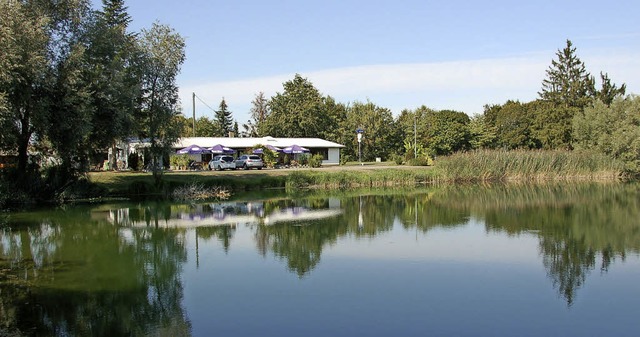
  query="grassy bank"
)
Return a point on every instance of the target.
[{"x": 466, "y": 167}]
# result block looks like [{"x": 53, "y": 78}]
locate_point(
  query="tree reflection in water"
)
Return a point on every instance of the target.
[
  {"x": 106, "y": 281},
  {"x": 580, "y": 226}
]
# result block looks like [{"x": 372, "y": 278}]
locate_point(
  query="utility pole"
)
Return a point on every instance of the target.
[
  {"x": 194, "y": 114},
  {"x": 415, "y": 136}
]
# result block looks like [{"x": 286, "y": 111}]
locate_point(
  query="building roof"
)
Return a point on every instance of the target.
[{"x": 240, "y": 143}]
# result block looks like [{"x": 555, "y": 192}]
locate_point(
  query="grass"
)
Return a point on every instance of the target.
[
  {"x": 496, "y": 165},
  {"x": 482, "y": 165}
]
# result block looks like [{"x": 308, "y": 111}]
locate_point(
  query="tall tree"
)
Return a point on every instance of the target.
[
  {"x": 447, "y": 131},
  {"x": 163, "y": 55},
  {"x": 258, "y": 113},
  {"x": 567, "y": 83},
  {"x": 512, "y": 122},
  {"x": 380, "y": 134},
  {"x": 609, "y": 91},
  {"x": 296, "y": 112},
  {"x": 223, "y": 118},
  {"x": 114, "y": 83},
  {"x": 25, "y": 68},
  {"x": 611, "y": 129},
  {"x": 114, "y": 13}
]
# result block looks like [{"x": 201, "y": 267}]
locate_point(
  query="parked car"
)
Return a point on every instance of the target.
[
  {"x": 248, "y": 161},
  {"x": 222, "y": 162}
]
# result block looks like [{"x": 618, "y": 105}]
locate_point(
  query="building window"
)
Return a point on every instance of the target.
[{"x": 322, "y": 151}]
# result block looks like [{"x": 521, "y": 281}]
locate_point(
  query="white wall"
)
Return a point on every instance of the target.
[{"x": 334, "y": 157}]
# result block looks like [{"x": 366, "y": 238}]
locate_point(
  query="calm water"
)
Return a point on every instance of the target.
[{"x": 558, "y": 260}]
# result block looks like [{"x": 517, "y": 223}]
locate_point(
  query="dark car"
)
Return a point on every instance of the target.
[
  {"x": 248, "y": 161},
  {"x": 222, "y": 163}
]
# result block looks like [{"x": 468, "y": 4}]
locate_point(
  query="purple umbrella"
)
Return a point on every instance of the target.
[
  {"x": 193, "y": 149},
  {"x": 295, "y": 149},
  {"x": 220, "y": 149},
  {"x": 268, "y": 146}
]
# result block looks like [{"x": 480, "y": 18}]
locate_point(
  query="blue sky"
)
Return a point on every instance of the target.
[{"x": 398, "y": 54}]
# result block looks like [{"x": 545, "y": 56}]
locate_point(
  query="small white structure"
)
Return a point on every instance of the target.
[{"x": 330, "y": 151}]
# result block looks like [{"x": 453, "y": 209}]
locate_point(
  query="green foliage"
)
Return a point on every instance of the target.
[
  {"x": 447, "y": 131},
  {"x": 437, "y": 132},
  {"x": 269, "y": 157},
  {"x": 609, "y": 91},
  {"x": 315, "y": 160},
  {"x": 297, "y": 112},
  {"x": 380, "y": 138},
  {"x": 612, "y": 130},
  {"x": 512, "y": 122},
  {"x": 397, "y": 159},
  {"x": 481, "y": 133},
  {"x": 223, "y": 120},
  {"x": 420, "y": 161},
  {"x": 568, "y": 83},
  {"x": 180, "y": 161},
  {"x": 163, "y": 55}
]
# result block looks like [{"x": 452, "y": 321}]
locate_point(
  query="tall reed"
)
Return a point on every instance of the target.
[{"x": 490, "y": 165}]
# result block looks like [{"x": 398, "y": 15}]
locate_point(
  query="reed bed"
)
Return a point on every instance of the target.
[
  {"x": 497, "y": 165},
  {"x": 358, "y": 179}
]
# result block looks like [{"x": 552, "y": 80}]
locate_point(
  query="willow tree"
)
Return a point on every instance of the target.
[
  {"x": 25, "y": 65},
  {"x": 162, "y": 57}
]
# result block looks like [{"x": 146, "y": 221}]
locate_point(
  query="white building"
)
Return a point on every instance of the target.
[{"x": 330, "y": 151}]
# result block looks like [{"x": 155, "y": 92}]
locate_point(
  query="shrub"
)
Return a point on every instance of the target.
[
  {"x": 303, "y": 159},
  {"x": 397, "y": 159},
  {"x": 315, "y": 160},
  {"x": 420, "y": 161}
]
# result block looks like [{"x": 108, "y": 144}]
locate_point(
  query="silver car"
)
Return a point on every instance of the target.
[
  {"x": 222, "y": 162},
  {"x": 248, "y": 161}
]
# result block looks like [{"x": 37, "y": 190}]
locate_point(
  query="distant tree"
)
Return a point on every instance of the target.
[
  {"x": 258, "y": 113},
  {"x": 223, "y": 119},
  {"x": 512, "y": 123},
  {"x": 163, "y": 56},
  {"x": 114, "y": 83},
  {"x": 481, "y": 134},
  {"x": 296, "y": 112},
  {"x": 609, "y": 91},
  {"x": 447, "y": 131},
  {"x": 412, "y": 128},
  {"x": 567, "y": 83},
  {"x": 550, "y": 126},
  {"x": 613, "y": 130},
  {"x": 380, "y": 138},
  {"x": 236, "y": 129},
  {"x": 335, "y": 130}
]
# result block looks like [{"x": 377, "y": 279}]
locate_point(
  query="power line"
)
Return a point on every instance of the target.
[{"x": 205, "y": 104}]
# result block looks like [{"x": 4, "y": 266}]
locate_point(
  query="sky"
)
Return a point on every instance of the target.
[{"x": 402, "y": 54}]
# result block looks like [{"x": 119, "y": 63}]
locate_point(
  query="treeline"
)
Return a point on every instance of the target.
[
  {"x": 73, "y": 81},
  {"x": 570, "y": 113}
]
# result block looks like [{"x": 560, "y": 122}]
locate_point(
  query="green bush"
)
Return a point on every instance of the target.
[
  {"x": 420, "y": 161},
  {"x": 303, "y": 159},
  {"x": 315, "y": 160},
  {"x": 397, "y": 159}
]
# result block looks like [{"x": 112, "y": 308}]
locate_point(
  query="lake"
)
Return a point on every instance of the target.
[{"x": 495, "y": 260}]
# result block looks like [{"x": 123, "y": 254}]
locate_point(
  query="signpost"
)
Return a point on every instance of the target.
[{"x": 359, "y": 133}]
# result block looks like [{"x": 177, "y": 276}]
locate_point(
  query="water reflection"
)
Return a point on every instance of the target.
[
  {"x": 64, "y": 273},
  {"x": 580, "y": 227},
  {"x": 117, "y": 269}
]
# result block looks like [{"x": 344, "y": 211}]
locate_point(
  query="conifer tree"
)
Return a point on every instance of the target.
[
  {"x": 568, "y": 84},
  {"x": 223, "y": 118}
]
